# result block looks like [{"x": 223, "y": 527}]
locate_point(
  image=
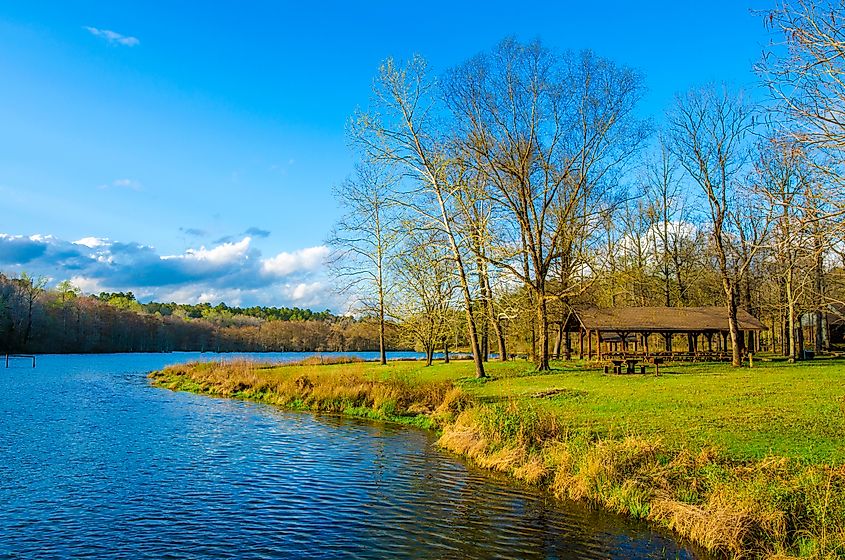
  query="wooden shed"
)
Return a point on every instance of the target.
[{"x": 651, "y": 330}]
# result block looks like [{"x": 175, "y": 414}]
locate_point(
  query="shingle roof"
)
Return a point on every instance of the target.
[{"x": 660, "y": 319}]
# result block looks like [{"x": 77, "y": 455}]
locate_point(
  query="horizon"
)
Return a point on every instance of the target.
[{"x": 190, "y": 157}]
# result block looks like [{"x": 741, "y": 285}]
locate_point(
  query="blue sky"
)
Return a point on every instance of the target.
[{"x": 187, "y": 150}]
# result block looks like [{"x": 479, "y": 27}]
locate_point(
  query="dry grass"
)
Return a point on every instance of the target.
[{"x": 310, "y": 387}]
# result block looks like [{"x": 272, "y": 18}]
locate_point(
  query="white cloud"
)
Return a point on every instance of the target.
[
  {"x": 88, "y": 285},
  {"x": 304, "y": 291},
  {"x": 92, "y": 242},
  {"x": 303, "y": 260},
  {"x": 113, "y": 37},
  {"x": 222, "y": 254}
]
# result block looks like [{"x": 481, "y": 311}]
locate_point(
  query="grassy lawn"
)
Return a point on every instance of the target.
[{"x": 776, "y": 408}]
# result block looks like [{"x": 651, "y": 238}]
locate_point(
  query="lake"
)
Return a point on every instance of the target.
[{"x": 94, "y": 462}]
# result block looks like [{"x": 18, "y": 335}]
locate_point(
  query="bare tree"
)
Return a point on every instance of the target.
[
  {"x": 29, "y": 290},
  {"x": 666, "y": 210},
  {"x": 364, "y": 241},
  {"x": 544, "y": 130},
  {"x": 708, "y": 132},
  {"x": 781, "y": 176},
  {"x": 402, "y": 131},
  {"x": 808, "y": 78},
  {"x": 427, "y": 287}
]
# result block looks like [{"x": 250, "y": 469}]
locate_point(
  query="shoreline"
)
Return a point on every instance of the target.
[{"x": 769, "y": 507}]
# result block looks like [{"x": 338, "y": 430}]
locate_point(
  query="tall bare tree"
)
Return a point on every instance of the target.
[
  {"x": 427, "y": 289},
  {"x": 402, "y": 130},
  {"x": 670, "y": 224},
  {"x": 781, "y": 176},
  {"x": 364, "y": 241},
  {"x": 807, "y": 78},
  {"x": 709, "y": 132},
  {"x": 544, "y": 130}
]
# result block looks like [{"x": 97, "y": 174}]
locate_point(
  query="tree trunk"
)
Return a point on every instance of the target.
[
  {"x": 459, "y": 264},
  {"x": 541, "y": 359},
  {"x": 497, "y": 326},
  {"x": 790, "y": 315},
  {"x": 733, "y": 325},
  {"x": 382, "y": 352}
]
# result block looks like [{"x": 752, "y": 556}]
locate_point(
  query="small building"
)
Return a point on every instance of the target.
[
  {"x": 654, "y": 330},
  {"x": 826, "y": 325}
]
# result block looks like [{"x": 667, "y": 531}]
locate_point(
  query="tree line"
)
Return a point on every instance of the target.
[
  {"x": 490, "y": 198},
  {"x": 35, "y": 318}
]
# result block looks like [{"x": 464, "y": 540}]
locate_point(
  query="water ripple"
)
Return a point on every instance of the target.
[{"x": 94, "y": 463}]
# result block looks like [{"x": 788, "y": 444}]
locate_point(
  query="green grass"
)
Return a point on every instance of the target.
[
  {"x": 775, "y": 408},
  {"x": 790, "y": 410}
]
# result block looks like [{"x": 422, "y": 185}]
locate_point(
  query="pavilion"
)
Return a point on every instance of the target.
[{"x": 632, "y": 330}]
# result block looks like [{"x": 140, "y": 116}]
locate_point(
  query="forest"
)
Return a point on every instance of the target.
[{"x": 38, "y": 319}]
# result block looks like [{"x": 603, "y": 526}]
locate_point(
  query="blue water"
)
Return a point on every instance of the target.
[{"x": 95, "y": 463}]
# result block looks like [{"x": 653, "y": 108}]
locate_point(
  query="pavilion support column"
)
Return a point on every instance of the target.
[
  {"x": 598, "y": 345},
  {"x": 556, "y": 349},
  {"x": 690, "y": 343},
  {"x": 645, "y": 336},
  {"x": 709, "y": 337},
  {"x": 667, "y": 342},
  {"x": 567, "y": 349},
  {"x": 581, "y": 344},
  {"x": 589, "y": 344}
]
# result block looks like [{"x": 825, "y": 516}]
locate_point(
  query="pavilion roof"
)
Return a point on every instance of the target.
[{"x": 659, "y": 319}]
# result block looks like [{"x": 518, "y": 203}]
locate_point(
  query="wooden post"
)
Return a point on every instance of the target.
[
  {"x": 589, "y": 344},
  {"x": 581, "y": 344},
  {"x": 567, "y": 350},
  {"x": 598, "y": 345}
]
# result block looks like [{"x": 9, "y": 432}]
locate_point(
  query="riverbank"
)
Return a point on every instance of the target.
[{"x": 744, "y": 462}]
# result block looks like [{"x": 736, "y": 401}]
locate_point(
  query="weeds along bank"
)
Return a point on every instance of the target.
[{"x": 767, "y": 506}]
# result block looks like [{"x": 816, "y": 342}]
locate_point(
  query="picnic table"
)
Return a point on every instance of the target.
[{"x": 629, "y": 363}]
